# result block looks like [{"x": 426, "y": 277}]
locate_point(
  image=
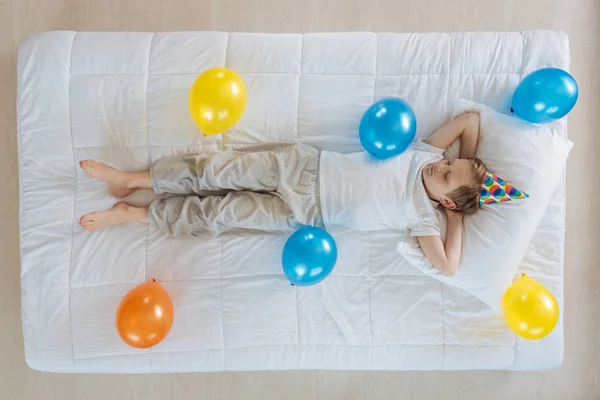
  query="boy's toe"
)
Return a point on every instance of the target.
[
  {"x": 89, "y": 226},
  {"x": 86, "y": 219},
  {"x": 87, "y": 165}
]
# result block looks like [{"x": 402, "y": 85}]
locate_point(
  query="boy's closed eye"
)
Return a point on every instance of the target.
[{"x": 449, "y": 173}]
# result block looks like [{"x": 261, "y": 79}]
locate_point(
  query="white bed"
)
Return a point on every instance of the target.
[{"x": 122, "y": 98}]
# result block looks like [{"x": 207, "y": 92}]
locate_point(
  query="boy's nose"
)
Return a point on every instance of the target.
[{"x": 442, "y": 166}]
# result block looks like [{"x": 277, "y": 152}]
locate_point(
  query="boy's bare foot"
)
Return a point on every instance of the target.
[
  {"x": 119, "y": 214},
  {"x": 118, "y": 181}
]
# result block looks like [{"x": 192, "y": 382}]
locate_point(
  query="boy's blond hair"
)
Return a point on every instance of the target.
[{"x": 466, "y": 197}]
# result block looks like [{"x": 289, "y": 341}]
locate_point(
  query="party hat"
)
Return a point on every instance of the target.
[{"x": 497, "y": 190}]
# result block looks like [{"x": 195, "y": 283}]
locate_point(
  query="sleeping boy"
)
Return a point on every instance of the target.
[{"x": 276, "y": 188}]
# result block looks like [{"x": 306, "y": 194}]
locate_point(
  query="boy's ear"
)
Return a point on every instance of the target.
[{"x": 448, "y": 203}]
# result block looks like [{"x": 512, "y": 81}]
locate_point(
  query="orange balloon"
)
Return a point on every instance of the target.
[{"x": 145, "y": 315}]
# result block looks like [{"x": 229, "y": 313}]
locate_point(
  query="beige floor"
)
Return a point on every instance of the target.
[{"x": 579, "y": 376}]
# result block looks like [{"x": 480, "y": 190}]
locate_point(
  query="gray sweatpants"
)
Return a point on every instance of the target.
[{"x": 259, "y": 189}]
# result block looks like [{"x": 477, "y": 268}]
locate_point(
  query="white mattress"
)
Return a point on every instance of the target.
[{"x": 121, "y": 98}]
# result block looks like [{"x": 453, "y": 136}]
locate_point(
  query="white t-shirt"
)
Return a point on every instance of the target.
[{"x": 360, "y": 192}]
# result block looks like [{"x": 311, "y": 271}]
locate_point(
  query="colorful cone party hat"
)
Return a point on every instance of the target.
[{"x": 497, "y": 190}]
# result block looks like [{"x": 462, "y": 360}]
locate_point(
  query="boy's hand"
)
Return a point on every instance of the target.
[{"x": 454, "y": 215}]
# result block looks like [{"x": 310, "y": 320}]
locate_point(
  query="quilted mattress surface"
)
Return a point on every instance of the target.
[{"x": 121, "y": 98}]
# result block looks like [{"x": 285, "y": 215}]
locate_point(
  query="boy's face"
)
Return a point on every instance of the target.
[{"x": 444, "y": 176}]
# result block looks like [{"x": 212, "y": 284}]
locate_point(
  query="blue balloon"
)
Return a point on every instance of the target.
[
  {"x": 387, "y": 128},
  {"x": 309, "y": 256},
  {"x": 545, "y": 95}
]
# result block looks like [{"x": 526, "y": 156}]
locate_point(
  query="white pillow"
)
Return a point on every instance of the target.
[{"x": 531, "y": 157}]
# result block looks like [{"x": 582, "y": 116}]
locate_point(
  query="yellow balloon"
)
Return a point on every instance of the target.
[
  {"x": 217, "y": 100},
  {"x": 530, "y": 310}
]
